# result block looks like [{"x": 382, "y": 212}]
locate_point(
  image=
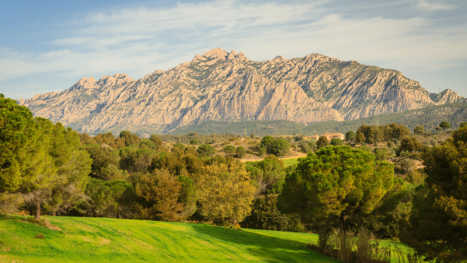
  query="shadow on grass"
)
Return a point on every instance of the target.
[{"x": 269, "y": 249}]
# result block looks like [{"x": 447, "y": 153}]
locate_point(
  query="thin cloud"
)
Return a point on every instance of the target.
[
  {"x": 139, "y": 41},
  {"x": 427, "y": 6}
]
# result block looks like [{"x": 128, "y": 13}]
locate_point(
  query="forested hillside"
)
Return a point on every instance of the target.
[{"x": 428, "y": 117}]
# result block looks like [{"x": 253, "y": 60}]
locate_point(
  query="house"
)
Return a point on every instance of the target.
[
  {"x": 314, "y": 137},
  {"x": 330, "y": 136}
]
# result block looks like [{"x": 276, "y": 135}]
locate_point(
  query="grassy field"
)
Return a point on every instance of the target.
[
  {"x": 290, "y": 161},
  {"x": 117, "y": 240}
]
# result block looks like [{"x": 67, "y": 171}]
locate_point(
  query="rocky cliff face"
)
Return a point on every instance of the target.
[{"x": 229, "y": 87}]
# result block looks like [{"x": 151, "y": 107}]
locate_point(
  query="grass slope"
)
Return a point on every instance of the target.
[{"x": 117, "y": 240}]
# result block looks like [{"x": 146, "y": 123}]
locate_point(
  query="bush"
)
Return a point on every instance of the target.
[
  {"x": 241, "y": 151},
  {"x": 322, "y": 142},
  {"x": 194, "y": 142},
  {"x": 415, "y": 177},
  {"x": 205, "y": 150},
  {"x": 336, "y": 142},
  {"x": 304, "y": 147},
  {"x": 419, "y": 129},
  {"x": 410, "y": 144},
  {"x": 365, "y": 148},
  {"x": 230, "y": 150},
  {"x": 265, "y": 215},
  {"x": 262, "y": 152},
  {"x": 381, "y": 154},
  {"x": 280, "y": 147},
  {"x": 407, "y": 165}
]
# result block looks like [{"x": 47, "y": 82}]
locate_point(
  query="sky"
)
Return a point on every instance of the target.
[{"x": 49, "y": 45}]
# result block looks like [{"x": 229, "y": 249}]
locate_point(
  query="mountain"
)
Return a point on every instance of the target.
[{"x": 222, "y": 86}]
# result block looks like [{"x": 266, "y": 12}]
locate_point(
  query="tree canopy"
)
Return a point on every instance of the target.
[
  {"x": 438, "y": 222},
  {"x": 337, "y": 183}
]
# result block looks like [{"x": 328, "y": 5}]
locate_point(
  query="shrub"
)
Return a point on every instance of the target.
[
  {"x": 407, "y": 165},
  {"x": 205, "y": 150},
  {"x": 415, "y": 177},
  {"x": 336, "y": 142},
  {"x": 280, "y": 147},
  {"x": 381, "y": 154},
  {"x": 241, "y": 151},
  {"x": 322, "y": 142},
  {"x": 262, "y": 152},
  {"x": 304, "y": 147},
  {"x": 230, "y": 150}
]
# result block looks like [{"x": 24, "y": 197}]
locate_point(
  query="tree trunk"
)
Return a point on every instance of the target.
[
  {"x": 343, "y": 225},
  {"x": 38, "y": 210},
  {"x": 54, "y": 213},
  {"x": 344, "y": 233}
]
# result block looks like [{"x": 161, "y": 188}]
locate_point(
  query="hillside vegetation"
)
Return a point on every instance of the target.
[
  {"x": 113, "y": 240},
  {"x": 428, "y": 117}
]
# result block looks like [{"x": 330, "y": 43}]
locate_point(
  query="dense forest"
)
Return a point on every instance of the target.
[{"x": 368, "y": 183}]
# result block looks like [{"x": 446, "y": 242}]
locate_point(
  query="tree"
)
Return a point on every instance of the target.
[
  {"x": 419, "y": 129},
  {"x": 194, "y": 142},
  {"x": 230, "y": 150},
  {"x": 262, "y": 152},
  {"x": 463, "y": 125},
  {"x": 128, "y": 138},
  {"x": 20, "y": 147},
  {"x": 304, "y": 147},
  {"x": 350, "y": 135},
  {"x": 280, "y": 147},
  {"x": 438, "y": 129},
  {"x": 205, "y": 150},
  {"x": 225, "y": 192},
  {"x": 105, "y": 162},
  {"x": 410, "y": 144},
  {"x": 381, "y": 154},
  {"x": 268, "y": 174},
  {"x": 240, "y": 151},
  {"x": 265, "y": 215},
  {"x": 267, "y": 143},
  {"x": 445, "y": 125},
  {"x": 36, "y": 190},
  {"x": 438, "y": 221},
  {"x": 252, "y": 135},
  {"x": 160, "y": 191},
  {"x": 73, "y": 167},
  {"x": 109, "y": 198},
  {"x": 322, "y": 142},
  {"x": 337, "y": 183},
  {"x": 336, "y": 142}
]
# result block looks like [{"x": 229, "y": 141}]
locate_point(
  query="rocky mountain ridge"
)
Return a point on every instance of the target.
[{"x": 227, "y": 86}]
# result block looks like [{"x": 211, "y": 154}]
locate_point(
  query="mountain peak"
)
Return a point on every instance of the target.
[{"x": 227, "y": 86}]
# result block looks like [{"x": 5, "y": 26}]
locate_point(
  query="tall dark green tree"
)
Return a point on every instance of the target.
[
  {"x": 337, "y": 183},
  {"x": 438, "y": 221},
  {"x": 73, "y": 167},
  {"x": 20, "y": 147},
  {"x": 322, "y": 142},
  {"x": 445, "y": 125}
]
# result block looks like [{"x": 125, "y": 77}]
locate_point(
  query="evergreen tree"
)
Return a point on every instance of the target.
[
  {"x": 445, "y": 125},
  {"x": 438, "y": 221},
  {"x": 419, "y": 129},
  {"x": 322, "y": 142},
  {"x": 337, "y": 183}
]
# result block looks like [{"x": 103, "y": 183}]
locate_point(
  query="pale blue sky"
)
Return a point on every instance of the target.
[{"x": 49, "y": 45}]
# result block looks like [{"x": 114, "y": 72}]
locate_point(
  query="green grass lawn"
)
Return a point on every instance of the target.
[
  {"x": 118, "y": 240},
  {"x": 290, "y": 161}
]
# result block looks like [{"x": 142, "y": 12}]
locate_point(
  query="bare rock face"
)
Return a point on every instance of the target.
[{"x": 229, "y": 87}]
